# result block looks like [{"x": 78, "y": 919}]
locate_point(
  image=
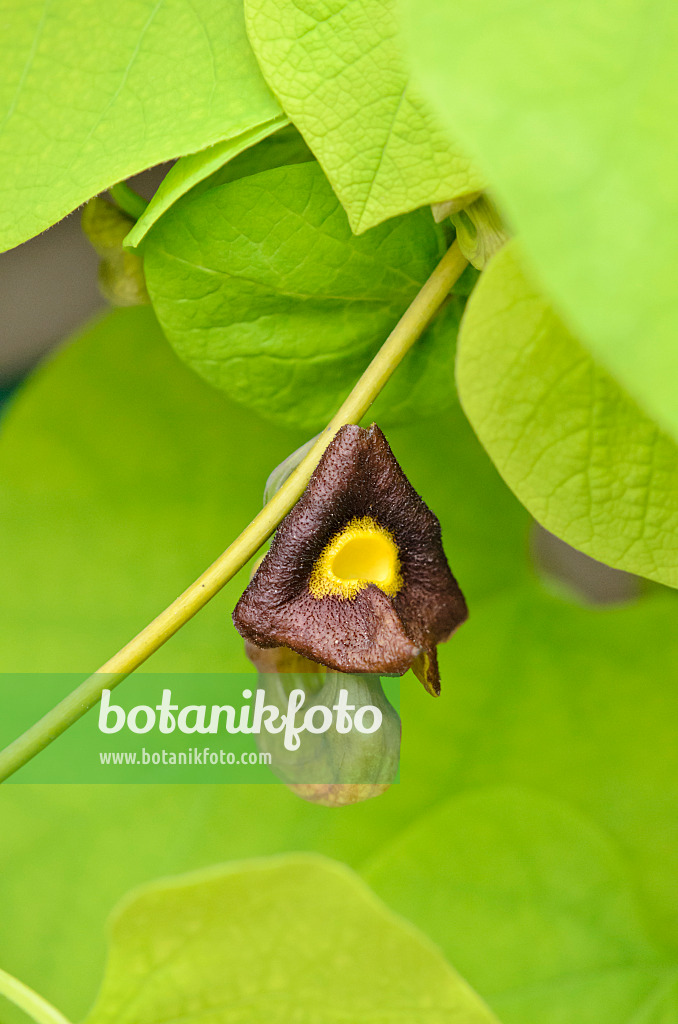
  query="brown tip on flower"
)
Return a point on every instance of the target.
[
  {"x": 356, "y": 577},
  {"x": 425, "y": 668}
]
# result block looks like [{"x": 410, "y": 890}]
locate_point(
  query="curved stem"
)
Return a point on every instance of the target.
[
  {"x": 128, "y": 200},
  {"x": 29, "y": 1001},
  {"x": 408, "y": 329}
]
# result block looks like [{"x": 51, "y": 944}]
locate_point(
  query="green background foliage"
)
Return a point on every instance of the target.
[
  {"x": 541, "y": 909},
  {"x": 574, "y": 706}
]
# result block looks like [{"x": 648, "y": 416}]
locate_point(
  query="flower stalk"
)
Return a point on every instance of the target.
[
  {"x": 32, "y": 1004},
  {"x": 129, "y": 201}
]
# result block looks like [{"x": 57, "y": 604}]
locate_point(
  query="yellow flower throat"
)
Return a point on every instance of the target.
[{"x": 363, "y": 552}]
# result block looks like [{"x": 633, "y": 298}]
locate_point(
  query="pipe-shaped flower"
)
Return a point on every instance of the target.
[{"x": 356, "y": 577}]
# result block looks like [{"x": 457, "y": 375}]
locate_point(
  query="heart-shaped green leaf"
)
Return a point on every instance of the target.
[
  {"x": 297, "y": 938},
  {"x": 579, "y": 453},
  {"x": 570, "y": 109},
  {"x": 259, "y": 150},
  {"x": 535, "y": 906},
  {"x": 338, "y": 71},
  {"x": 262, "y": 288},
  {"x": 90, "y": 95}
]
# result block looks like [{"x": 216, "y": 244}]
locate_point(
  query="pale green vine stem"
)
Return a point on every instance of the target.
[
  {"x": 128, "y": 200},
  {"x": 411, "y": 325},
  {"x": 29, "y": 1001}
]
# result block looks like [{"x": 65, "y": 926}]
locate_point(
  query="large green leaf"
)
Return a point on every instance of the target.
[
  {"x": 262, "y": 288},
  {"x": 297, "y": 938},
  {"x": 91, "y": 95},
  {"x": 578, "y": 452},
  {"x": 535, "y": 906},
  {"x": 570, "y": 109},
  {"x": 338, "y": 72}
]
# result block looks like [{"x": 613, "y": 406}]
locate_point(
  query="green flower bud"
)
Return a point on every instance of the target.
[
  {"x": 441, "y": 211},
  {"x": 336, "y": 767},
  {"x": 121, "y": 273},
  {"x": 480, "y": 231}
]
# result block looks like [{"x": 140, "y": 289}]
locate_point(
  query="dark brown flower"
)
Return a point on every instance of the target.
[{"x": 356, "y": 577}]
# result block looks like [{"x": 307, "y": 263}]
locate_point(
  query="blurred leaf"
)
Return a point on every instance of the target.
[
  {"x": 293, "y": 937},
  {"x": 5, "y": 392},
  {"x": 570, "y": 110},
  {"x": 191, "y": 170},
  {"x": 261, "y": 287},
  {"x": 534, "y": 905},
  {"x": 576, "y": 703},
  {"x": 92, "y": 94},
  {"x": 338, "y": 71},
  {"x": 577, "y": 451}
]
